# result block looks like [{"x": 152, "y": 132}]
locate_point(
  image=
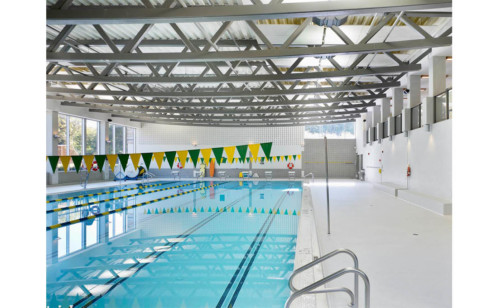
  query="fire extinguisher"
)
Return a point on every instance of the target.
[{"x": 408, "y": 170}]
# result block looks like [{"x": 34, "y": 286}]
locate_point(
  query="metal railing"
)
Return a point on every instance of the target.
[
  {"x": 443, "y": 105},
  {"x": 310, "y": 289},
  {"x": 398, "y": 124},
  {"x": 85, "y": 175},
  {"x": 384, "y": 127},
  {"x": 311, "y": 174},
  {"x": 416, "y": 117}
]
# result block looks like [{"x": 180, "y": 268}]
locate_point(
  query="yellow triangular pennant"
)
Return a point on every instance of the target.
[
  {"x": 289, "y": 157},
  {"x": 112, "y": 158},
  {"x": 88, "y": 161},
  {"x": 258, "y": 159},
  {"x": 298, "y": 156},
  {"x": 135, "y": 158},
  {"x": 65, "y": 162},
  {"x": 158, "y": 158},
  {"x": 182, "y": 157},
  {"x": 254, "y": 149},
  {"x": 230, "y": 152},
  {"x": 282, "y": 157},
  {"x": 236, "y": 159},
  {"x": 206, "y": 154}
]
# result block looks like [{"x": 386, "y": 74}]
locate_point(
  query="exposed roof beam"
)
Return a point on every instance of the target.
[
  {"x": 230, "y": 93},
  {"x": 253, "y": 119},
  {"x": 237, "y": 78},
  {"x": 247, "y": 124},
  {"x": 214, "y": 104},
  {"x": 140, "y": 15},
  {"x": 164, "y": 42},
  {"x": 247, "y": 54},
  {"x": 317, "y": 115},
  {"x": 226, "y": 111}
]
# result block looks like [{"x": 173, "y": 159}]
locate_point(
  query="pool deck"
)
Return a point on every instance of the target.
[{"x": 405, "y": 250}]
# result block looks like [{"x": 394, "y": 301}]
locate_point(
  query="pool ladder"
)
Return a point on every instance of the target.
[{"x": 311, "y": 289}]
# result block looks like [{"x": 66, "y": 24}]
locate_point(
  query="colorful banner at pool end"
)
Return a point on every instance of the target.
[{"x": 185, "y": 156}]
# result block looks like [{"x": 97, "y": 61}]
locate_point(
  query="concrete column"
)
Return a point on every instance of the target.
[
  {"x": 437, "y": 81},
  {"x": 397, "y": 101},
  {"x": 52, "y": 142},
  {"x": 414, "y": 86},
  {"x": 385, "y": 109},
  {"x": 376, "y": 114}
]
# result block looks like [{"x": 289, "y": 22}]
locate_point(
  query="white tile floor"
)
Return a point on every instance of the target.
[{"x": 405, "y": 270}]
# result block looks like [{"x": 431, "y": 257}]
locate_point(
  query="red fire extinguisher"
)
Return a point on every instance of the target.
[{"x": 408, "y": 170}]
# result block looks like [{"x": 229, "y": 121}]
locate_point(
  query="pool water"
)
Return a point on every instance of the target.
[{"x": 173, "y": 244}]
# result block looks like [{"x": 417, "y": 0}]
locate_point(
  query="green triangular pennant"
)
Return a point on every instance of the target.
[
  {"x": 194, "y": 156},
  {"x": 294, "y": 157},
  {"x": 54, "y": 160},
  {"x": 266, "y": 147},
  {"x": 218, "y": 154},
  {"x": 123, "y": 158},
  {"x": 278, "y": 158},
  {"x": 77, "y": 162},
  {"x": 262, "y": 159},
  {"x": 188, "y": 159},
  {"x": 100, "y": 161},
  {"x": 286, "y": 157},
  {"x": 147, "y": 158},
  {"x": 202, "y": 160},
  {"x": 242, "y": 151},
  {"x": 170, "y": 158}
]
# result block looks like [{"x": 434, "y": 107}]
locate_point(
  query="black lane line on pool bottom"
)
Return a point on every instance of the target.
[
  {"x": 240, "y": 266},
  {"x": 139, "y": 186},
  {"x": 247, "y": 269},
  {"x": 140, "y": 266}
]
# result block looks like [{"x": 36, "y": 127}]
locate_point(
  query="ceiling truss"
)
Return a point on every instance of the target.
[{"x": 230, "y": 81}]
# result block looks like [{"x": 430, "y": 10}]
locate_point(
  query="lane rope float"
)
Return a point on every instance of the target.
[
  {"x": 75, "y": 206},
  {"x": 74, "y": 221},
  {"x": 108, "y": 192}
]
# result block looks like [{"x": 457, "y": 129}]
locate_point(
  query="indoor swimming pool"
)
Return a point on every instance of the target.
[{"x": 173, "y": 244}]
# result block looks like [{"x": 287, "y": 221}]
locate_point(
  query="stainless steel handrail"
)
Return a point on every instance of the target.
[
  {"x": 317, "y": 284},
  {"x": 311, "y": 174},
  {"x": 326, "y": 257}
]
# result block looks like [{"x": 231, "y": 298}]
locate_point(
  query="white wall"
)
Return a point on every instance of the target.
[
  {"x": 158, "y": 137},
  {"x": 428, "y": 153}
]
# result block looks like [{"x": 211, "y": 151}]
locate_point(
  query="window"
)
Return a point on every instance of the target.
[
  {"x": 130, "y": 140},
  {"x": 77, "y": 136},
  {"x": 385, "y": 129},
  {"x": 122, "y": 139},
  {"x": 119, "y": 139},
  {"x": 334, "y": 131},
  {"x": 91, "y": 137},
  {"x": 62, "y": 142}
]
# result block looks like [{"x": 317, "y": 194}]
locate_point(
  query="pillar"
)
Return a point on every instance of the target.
[
  {"x": 414, "y": 86},
  {"x": 437, "y": 72},
  {"x": 397, "y": 101}
]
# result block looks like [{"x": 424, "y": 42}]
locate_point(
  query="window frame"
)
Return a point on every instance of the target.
[{"x": 83, "y": 135}]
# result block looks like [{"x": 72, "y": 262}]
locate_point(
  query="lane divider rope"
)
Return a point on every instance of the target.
[
  {"x": 114, "y": 199},
  {"x": 56, "y": 226},
  {"x": 108, "y": 192}
]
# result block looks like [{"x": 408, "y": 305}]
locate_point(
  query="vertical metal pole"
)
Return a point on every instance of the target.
[{"x": 327, "y": 188}]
